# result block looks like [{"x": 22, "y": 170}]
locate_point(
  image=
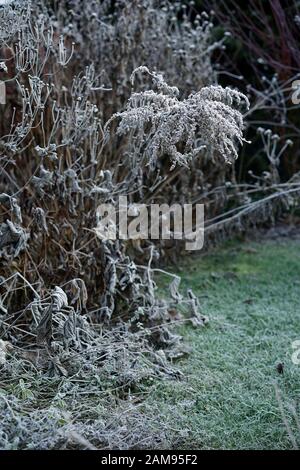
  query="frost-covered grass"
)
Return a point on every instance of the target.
[{"x": 227, "y": 399}]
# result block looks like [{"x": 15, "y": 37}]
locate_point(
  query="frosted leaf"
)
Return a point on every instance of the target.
[{"x": 60, "y": 298}]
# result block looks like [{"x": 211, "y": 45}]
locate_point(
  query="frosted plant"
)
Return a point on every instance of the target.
[
  {"x": 180, "y": 129},
  {"x": 135, "y": 32},
  {"x": 270, "y": 145},
  {"x": 52, "y": 139},
  {"x": 273, "y": 149},
  {"x": 13, "y": 17}
]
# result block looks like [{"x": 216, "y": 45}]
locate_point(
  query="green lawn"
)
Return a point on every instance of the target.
[{"x": 251, "y": 293}]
